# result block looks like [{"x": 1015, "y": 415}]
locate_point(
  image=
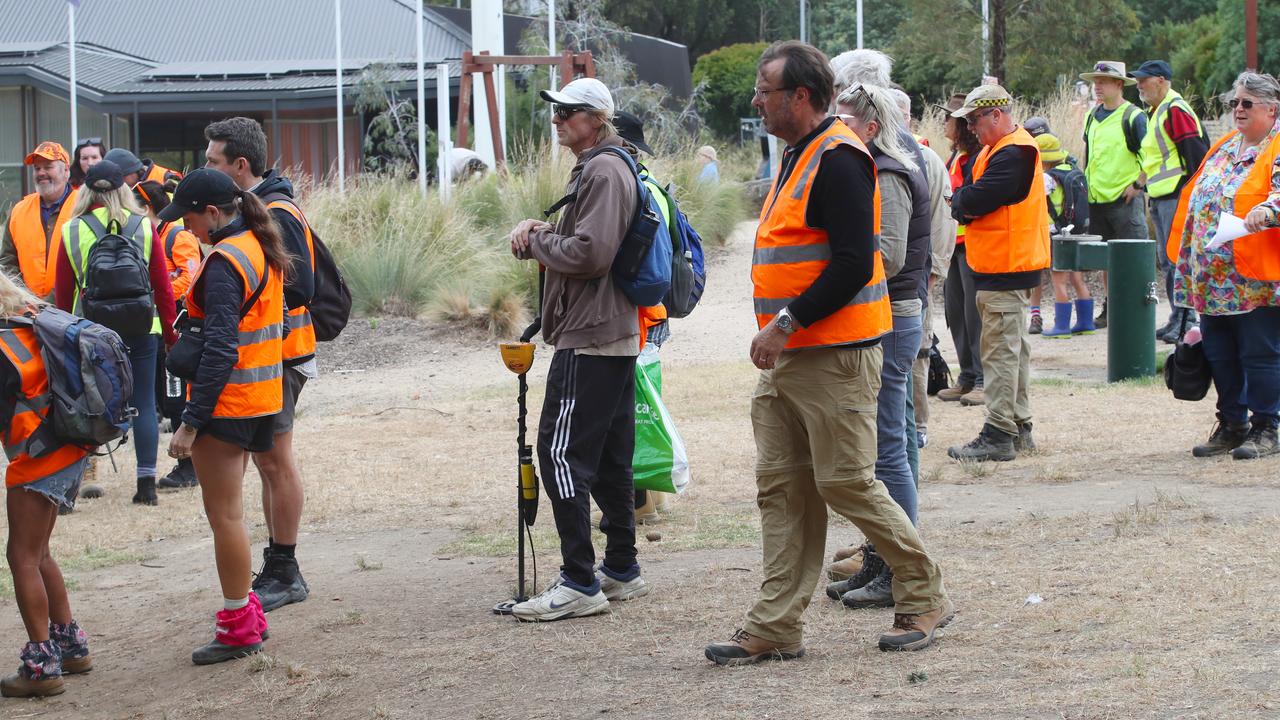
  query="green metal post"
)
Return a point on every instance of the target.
[{"x": 1131, "y": 309}]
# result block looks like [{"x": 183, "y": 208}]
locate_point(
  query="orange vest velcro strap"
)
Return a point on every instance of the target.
[
  {"x": 30, "y": 460},
  {"x": 789, "y": 255},
  {"x": 1013, "y": 238}
]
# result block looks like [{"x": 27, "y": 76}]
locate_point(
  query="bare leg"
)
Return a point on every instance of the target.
[
  {"x": 37, "y": 582},
  {"x": 1077, "y": 282},
  {"x": 1060, "y": 286},
  {"x": 220, "y": 467},
  {"x": 282, "y": 484}
]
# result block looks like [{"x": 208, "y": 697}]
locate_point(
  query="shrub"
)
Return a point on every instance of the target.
[{"x": 727, "y": 77}]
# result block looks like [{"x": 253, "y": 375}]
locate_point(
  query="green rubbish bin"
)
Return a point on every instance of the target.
[{"x": 1131, "y": 297}]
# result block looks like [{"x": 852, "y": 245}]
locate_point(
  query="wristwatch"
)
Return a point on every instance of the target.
[{"x": 785, "y": 322}]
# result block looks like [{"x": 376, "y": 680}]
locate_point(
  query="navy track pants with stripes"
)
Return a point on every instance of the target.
[{"x": 586, "y": 439}]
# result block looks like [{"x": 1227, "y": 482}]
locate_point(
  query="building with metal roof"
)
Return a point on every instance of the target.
[{"x": 152, "y": 73}]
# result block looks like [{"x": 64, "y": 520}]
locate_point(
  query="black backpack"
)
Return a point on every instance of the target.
[
  {"x": 939, "y": 371},
  {"x": 1075, "y": 200},
  {"x": 114, "y": 281},
  {"x": 330, "y": 306}
]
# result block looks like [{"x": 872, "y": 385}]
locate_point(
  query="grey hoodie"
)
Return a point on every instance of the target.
[{"x": 581, "y": 305}]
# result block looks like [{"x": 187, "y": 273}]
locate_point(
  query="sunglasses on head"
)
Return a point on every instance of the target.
[
  {"x": 564, "y": 112},
  {"x": 90, "y": 141},
  {"x": 1234, "y": 103}
]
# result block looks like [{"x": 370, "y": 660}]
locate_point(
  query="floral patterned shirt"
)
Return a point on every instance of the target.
[{"x": 1207, "y": 279}]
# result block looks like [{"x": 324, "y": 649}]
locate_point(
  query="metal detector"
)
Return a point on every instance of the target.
[{"x": 518, "y": 357}]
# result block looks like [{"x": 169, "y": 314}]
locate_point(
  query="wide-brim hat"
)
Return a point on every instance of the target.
[
  {"x": 1113, "y": 69},
  {"x": 955, "y": 102},
  {"x": 631, "y": 129},
  {"x": 1050, "y": 148}
]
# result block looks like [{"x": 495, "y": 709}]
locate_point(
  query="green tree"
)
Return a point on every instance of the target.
[
  {"x": 833, "y": 25},
  {"x": 727, "y": 77}
]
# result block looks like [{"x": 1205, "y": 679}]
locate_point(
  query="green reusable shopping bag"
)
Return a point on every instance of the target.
[{"x": 660, "y": 461}]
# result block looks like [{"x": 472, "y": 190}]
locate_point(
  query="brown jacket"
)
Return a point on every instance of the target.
[{"x": 581, "y": 305}]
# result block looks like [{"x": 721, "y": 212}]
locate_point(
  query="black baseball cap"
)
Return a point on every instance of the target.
[
  {"x": 1153, "y": 68},
  {"x": 104, "y": 176},
  {"x": 631, "y": 129},
  {"x": 199, "y": 189}
]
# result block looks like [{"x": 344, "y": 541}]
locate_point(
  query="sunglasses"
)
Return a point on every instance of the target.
[
  {"x": 564, "y": 112},
  {"x": 1234, "y": 103},
  {"x": 973, "y": 118},
  {"x": 90, "y": 141}
]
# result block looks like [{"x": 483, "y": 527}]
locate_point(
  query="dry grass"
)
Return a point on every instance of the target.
[{"x": 1066, "y": 116}]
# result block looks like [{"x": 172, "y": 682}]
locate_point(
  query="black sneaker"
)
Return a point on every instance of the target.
[
  {"x": 1225, "y": 438},
  {"x": 872, "y": 566},
  {"x": 280, "y": 583},
  {"x": 991, "y": 444},
  {"x": 1024, "y": 442},
  {"x": 1260, "y": 442},
  {"x": 183, "y": 475},
  {"x": 876, "y": 594},
  {"x": 146, "y": 494},
  {"x": 214, "y": 652},
  {"x": 1101, "y": 321}
]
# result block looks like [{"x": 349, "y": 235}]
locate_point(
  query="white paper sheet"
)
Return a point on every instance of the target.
[{"x": 1230, "y": 227}]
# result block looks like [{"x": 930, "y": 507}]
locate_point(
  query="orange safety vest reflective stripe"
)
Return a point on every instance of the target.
[
  {"x": 957, "y": 180},
  {"x": 789, "y": 255},
  {"x": 1257, "y": 255},
  {"x": 254, "y": 388},
  {"x": 181, "y": 257},
  {"x": 29, "y": 410},
  {"x": 300, "y": 345},
  {"x": 37, "y": 250},
  {"x": 1014, "y": 238}
]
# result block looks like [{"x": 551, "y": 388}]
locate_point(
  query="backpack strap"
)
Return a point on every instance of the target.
[
  {"x": 1131, "y": 139},
  {"x": 573, "y": 194},
  {"x": 133, "y": 231}
]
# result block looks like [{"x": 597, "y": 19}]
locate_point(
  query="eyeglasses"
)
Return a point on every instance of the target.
[
  {"x": 757, "y": 92},
  {"x": 564, "y": 112},
  {"x": 973, "y": 118},
  {"x": 1234, "y": 103}
]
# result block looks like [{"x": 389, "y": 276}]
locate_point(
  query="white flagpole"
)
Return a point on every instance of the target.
[
  {"x": 422, "y": 112},
  {"x": 342, "y": 150},
  {"x": 443, "y": 143},
  {"x": 859, "y": 24},
  {"x": 71, "y": 31},
  {"x": 986, "y": 42},
  {"x": 551, "y": 50},
  {"x": 804, "y": 22}
]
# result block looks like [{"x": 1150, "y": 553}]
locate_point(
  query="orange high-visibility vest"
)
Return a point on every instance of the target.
[
  {"x": 1014, "y": 238},
  {"x": 29, "y": 410},
  {"x": 181, "y": 257},
  {"x": 1257, "y": 255},
  {"x": 37, "y": 250},
  {"x": 300, "y": 345},
  {"x": 650, "y": 317},
  {"x": 157, "y": 174},
  {"x": 790, "y": 255},
  {"x": 254, "y": 388},
  {"x": 957, "y": 180}
]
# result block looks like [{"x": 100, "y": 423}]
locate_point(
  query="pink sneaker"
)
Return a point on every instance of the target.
[
  {"x": 238, "y": 634},
  {"x": 256, "y": 604}
]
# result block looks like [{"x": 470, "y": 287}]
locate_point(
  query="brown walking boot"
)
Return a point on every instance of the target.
[
  {"x": 973, "y": 398},
  {"x": 747, "y": 649},
  {"x": 1226, "y": 437},
  {"x": 954, "y": 392},
  {"x": 915, "y": 632}
]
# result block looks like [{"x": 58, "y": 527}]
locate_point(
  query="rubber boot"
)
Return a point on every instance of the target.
[
  {"x": 1061, "y": 321},
  {"x": 1084, "y": 318}
]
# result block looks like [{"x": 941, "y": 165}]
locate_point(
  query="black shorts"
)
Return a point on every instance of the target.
[
  {"x": 252, "y": 434},
  {"x": 292, "y": 387}
]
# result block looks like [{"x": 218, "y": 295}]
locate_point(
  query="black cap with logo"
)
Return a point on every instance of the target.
[{"x": 199, "y": 189}]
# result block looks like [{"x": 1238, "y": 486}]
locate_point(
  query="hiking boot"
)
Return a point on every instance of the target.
[
  {"x": 1024, "y": 442},
  {"x": 871, "y": 567},
  {"x": 954, "y": 393},
  {"x": 1100, "y": 322},
  {"x": 1225, "y": 438},
  {"x": 1260, "y": 442},
  {"x": 617, "y": 589},
  {"x": 146, "y": 494},
  {"x": 922, "y": 440},
  {"x": 747, "y": 649},
  {"x": 280, "y": 582},
  {"x": 39, "y": 675},
  {"x": 842, "y": 570},
  {"x": 1036, "y": 325},
  {"x": 559, "y": 602},
  {"x": 973, "y": 397},
  {"x": 73, "y": 646},
  {"x": 991, "y": 444},
  {"x": 183, "y": 475},
  {"x": 238, "y": 634},
  {"x": 876, "y": 594},
  {"x": 915, "y": 632}
]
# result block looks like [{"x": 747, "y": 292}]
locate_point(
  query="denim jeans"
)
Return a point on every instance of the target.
[
  {"x": 913, "y": 447},
  {"x": 146, "y": 426},
  {"x": 1162, "y": 210},
  {"x": 1244, "y": 355},
  {"x": 892, "y": 466}
]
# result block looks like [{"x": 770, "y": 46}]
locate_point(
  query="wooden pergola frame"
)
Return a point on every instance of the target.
[{"x": 571, "y": 65}]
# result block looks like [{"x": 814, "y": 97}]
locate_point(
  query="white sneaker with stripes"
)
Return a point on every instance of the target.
[
  {"x": 618, "y": 590},
  {"x": 560, "y": 602}
]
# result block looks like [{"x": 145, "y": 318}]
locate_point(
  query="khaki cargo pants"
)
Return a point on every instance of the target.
[
  {"x": 814, "y": 418},
  {"x": 1006, "y": 356}
]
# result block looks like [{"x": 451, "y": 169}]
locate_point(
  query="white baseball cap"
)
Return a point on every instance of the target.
[{"x": 584, "y": 93}]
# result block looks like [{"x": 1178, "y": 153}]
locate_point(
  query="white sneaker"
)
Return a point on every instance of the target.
[
  {"x": 618, "y": 590},
  {"x": 559, "y": 602}
]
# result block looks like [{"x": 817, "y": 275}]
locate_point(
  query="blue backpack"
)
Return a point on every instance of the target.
[
  {"x": 90, "y": 381},
  {"x": 688, "y": 264},
  {"x": 642, "y": 266}
]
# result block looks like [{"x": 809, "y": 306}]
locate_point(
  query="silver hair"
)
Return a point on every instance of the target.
[
  {"x": 1260, "y": 85},
  {"x": 902, "y": 100},
  {"x": 870, "y": 103},
  {"x": 871, "y": 67}
]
